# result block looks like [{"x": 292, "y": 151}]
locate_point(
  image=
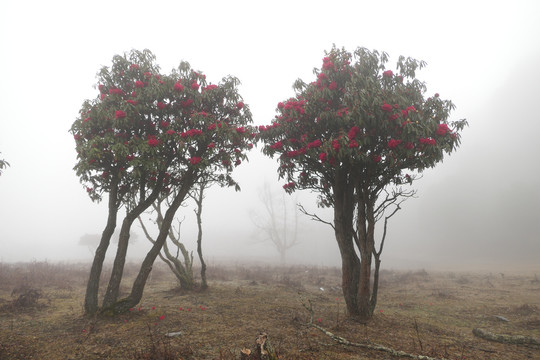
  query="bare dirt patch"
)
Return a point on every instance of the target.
[{"x": 419, "y": 312}]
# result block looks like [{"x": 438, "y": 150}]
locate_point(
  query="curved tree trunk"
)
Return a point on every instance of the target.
[
  {"x": 92, "y": 287},
  {"x": 119, "y": 261},
  {"x": 138, "y": 285}
]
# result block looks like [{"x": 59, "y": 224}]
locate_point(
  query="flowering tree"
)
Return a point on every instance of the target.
[
  {"x": 357, "y": 136},
  {"x": 147, "y": 133}
]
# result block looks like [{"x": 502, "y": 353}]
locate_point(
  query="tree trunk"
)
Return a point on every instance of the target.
[
  {"x": 343, "y": 228},
  {"x": 137, "y": 290},
  {"x": 119, "y": 261},
  {"x": 92, "y": 288},
  {"x": 204, "y": 284}
]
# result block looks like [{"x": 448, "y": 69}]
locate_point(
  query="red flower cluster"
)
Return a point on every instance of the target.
[
  {"x": 210, "y": 87},
  {"x": 195, "y": 160},
  {"x": 406, "y": 111},
  {"x": 409, "y": 145},
  {"x": 139, "y": 84},
  {"x": 376, "y": 158},
  {"x": 355, "y": 130},
  {"x": 388, "y": 73},
  {"x": 116, "y": 91},
  {"x": 161, "y": 105},
  {"x": 387, "y": 107},
  {"x": 427, "y": 141},
  {"x": 322, "y": 157},
  {"x": 119, "y": 114},
  {"x": 191, "y": 133},
  {"x": 240, "y": 105},
  {"x": 393, "y": 143},
  {"x": 171, "y": 132},
  {"x": 353, "y": 144},
  {"x": 335, "y": 144},
  {"x": 241, "y": 130},
  {"x": 178, "y": 86},
  {"x": 332, "y": 86},
  {"x": 277, "y": 146},
  {"x": 153, "y": 142},
  {"x": 194, "y": 86},
  {"x": 327, "y": 63},
  {"x": 297, "y": 106},
  {"x": 186, "y": 103},
  {"x": 289, "y": 185},
  {"x": 314, "y": 144},
  {"x": 442, "y": 129}
]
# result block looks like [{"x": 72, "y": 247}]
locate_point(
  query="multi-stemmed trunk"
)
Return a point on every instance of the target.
[
  {"x": 111, "y": 295},
  {"x": 356, "y": 244},
  {"x": 138, "y": 285},
  {"x": 92, "y": 287}
]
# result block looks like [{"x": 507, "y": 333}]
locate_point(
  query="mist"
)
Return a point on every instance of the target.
[{"x": 478, "y": 209}]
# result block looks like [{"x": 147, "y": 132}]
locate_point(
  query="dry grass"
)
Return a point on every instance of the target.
[{"x": 419, "y": 312}]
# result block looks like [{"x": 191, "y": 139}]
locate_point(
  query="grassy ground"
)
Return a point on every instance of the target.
[{"x": 418, "y": 312}]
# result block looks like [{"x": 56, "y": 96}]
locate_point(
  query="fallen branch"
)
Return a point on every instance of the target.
[
  {"x": 343, "y": 341},
  {"x": 509, "y": 339}
]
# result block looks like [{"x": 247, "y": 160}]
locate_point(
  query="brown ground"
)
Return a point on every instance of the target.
[{"x": 419, "y": 312}]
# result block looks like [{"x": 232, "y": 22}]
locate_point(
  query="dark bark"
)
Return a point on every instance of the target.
[
  {"x": 198, "y": 212},
  {"x": 137, "y": 289},
  {"x": 113, "y": 288},
  {"x": 343, "y": 227},
  {"x": 92, "y": 288}
]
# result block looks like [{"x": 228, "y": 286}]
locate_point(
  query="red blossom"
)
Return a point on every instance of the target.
[
  {"x": 212, "y": 127},
  {"x": 409, "y": 145},
  {"x": 133, "y": 66},
  {"x": 442, "y": 129},
  {"x": 393, "y": 143},
  {"x": 241, "y": 130},
  {"x": 355, "y": 130},
  {"x": 194, "y": 86},
  {"x": 153, "y": 142},
  {"x": 211, "y": 145},
  {"x": 314, "y": 144},
  {"x": 171, "y": 132},
  {"x": 186, "y": 103},
  {"x": 376, "y": 158},
  {"x": 139, "y": 84},
  {"x": 277, "y": 146},
  {"x": 387, "y": 107},
  {"x": 195, "y": 160},
  {"x": 332, "y": 86},
  {"x": 388, "y": 73},
  {"x": 335, "y": 144},
  {"x": 161, "y": 105},
  {"x": 132, "y": 102},
  {"x": 427, "y": 141},
  {"x": 116, "y": 91},
  {"x": 239, "y": 105},
  {"x": 191, "y": 133},
  {"x": 119, "y": 114},
  {"x": 353, "y": 144},
  {"x": 178, "y": 86},
  {"x": 322, "y": 157}
]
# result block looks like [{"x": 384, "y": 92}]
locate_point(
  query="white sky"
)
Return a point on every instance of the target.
[{"x": 483, "y": 55}]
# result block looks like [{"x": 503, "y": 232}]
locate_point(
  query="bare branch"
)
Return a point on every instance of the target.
[{"x": 314, "y": 217}]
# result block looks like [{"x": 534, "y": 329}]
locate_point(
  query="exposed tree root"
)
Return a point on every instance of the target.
[{"x": 509, "y": 339}]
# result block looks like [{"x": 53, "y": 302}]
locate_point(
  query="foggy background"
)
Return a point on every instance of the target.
[{"x": 478, "y": 209}]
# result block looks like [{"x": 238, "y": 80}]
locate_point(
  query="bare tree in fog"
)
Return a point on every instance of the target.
[
  {"x": 279, "y": 223},
  {"x": 3, "y": 165}
]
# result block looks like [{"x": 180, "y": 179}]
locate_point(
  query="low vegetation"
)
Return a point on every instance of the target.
[{"x": 426, "y": 313}]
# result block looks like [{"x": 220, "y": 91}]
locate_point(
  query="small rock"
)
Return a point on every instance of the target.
[
  {"x": 173, "y": 334},
  {"x": 501, "y": 318}
]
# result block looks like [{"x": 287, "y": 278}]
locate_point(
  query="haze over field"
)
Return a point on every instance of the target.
[{"x": 478, "y": 208}]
